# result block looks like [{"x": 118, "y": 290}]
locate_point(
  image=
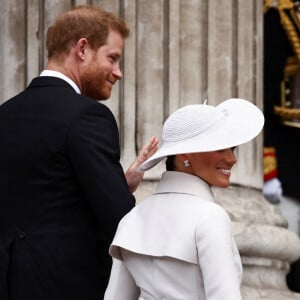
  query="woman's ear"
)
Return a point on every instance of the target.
[
  {"x": 182, "y": 157},
  {"x": 181, "y": 162}
]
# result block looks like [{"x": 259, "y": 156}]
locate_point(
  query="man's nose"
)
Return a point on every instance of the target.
[{"x": 117, "y": 72}]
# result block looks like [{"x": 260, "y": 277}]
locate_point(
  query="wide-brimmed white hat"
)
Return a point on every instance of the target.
[{"x": 203, "y": 128}]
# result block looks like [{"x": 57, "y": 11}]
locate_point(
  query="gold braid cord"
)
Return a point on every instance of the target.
[
  {"x": 287, "y": 113},
  {"x": 267, "y": 5},
  {"x": 289, "y": 27}
]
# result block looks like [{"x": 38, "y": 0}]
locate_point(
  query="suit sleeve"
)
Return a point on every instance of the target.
[
  {"x": 121, "y": 284},
  {"x": 216, "y": 256},
  {"x": 93, "y": 144}
]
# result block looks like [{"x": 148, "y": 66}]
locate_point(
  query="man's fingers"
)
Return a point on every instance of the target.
[{"x": 148, "y": 149}]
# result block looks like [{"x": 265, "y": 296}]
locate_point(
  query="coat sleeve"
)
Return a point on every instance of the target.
[
  {"x": 217, "y": 256},
  {"x": 121, "y": 284},
  {"x": 93, "y": 146}
]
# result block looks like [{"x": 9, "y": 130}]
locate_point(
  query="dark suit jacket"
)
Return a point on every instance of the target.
[{"x": 62, "y": 193}]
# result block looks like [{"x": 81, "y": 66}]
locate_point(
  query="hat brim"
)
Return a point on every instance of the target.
[{"x": 243, "y": 122}]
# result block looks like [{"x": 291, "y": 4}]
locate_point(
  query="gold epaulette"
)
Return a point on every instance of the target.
[
  {"x": 290, "y": 22},
  {"x": 289, "y": 116}
]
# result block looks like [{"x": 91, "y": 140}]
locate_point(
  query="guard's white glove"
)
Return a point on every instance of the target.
[{"x": 272, "y": 190}]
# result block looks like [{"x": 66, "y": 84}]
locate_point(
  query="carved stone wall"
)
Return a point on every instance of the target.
[
  {"x": 179, "y": 52},
  {"x": 266, "y": 246}
]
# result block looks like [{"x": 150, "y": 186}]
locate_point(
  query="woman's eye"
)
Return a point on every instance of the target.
[{"x": 234, "y": 150}]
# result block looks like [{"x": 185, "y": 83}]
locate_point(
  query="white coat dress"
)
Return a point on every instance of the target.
[{"x": 176, "y": 244}]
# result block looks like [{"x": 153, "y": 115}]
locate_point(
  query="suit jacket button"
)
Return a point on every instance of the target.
[{"x": 22, "y": 235}]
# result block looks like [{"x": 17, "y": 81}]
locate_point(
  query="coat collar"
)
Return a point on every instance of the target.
[
  {"x": 183, "y": 183},
  {"x": 171, "y": 214},
  {"x": 62, "y": 76},
  {"x": 43, "y": 81}
]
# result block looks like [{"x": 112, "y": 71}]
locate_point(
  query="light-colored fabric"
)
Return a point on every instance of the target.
[
  {"x": 121, "y": 285},
  {"x": 177, "y": 244}
]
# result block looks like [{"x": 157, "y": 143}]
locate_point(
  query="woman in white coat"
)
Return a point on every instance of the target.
[{"x": 177, "y": 244}]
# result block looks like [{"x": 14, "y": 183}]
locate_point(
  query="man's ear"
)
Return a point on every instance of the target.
[{"x": 81, "y": 48}]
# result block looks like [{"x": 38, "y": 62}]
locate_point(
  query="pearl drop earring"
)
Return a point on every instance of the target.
[{"x": 186, "y": 163}]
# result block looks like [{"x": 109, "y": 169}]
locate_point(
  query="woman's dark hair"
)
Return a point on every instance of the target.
[{"x": 170, "y": 163}]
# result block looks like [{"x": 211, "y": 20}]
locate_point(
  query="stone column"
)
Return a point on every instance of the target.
[{"x": 266, "y": 246}]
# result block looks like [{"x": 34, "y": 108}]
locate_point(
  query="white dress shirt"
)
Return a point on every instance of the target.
[
  {"x": 177, "y": 244},
  {"x": 62, "y": 76}
]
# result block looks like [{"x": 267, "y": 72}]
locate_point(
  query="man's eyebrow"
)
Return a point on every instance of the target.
[{"x": 115, "y": 54}]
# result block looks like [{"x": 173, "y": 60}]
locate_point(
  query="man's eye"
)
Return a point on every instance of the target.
[{"x": 113, "y": 59}]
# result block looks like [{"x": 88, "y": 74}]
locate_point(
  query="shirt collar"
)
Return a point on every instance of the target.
[{"x": 60, "y": 75}]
